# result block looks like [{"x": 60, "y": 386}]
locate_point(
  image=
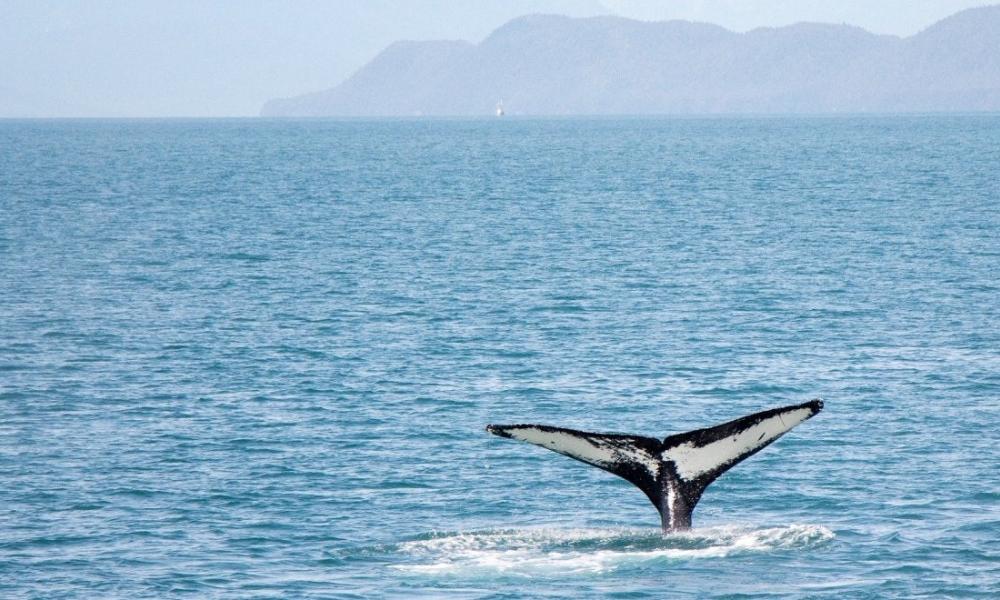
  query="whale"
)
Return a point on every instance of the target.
[{"x": 672, "y": 472}]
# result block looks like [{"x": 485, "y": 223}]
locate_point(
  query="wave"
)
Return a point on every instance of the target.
[{"x": 531, "y": 552}]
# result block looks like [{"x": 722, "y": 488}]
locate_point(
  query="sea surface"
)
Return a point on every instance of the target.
[{"x": 255, "y": 359}]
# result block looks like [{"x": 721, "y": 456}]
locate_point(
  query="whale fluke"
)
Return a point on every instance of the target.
[{"x": 673, "y": 473}]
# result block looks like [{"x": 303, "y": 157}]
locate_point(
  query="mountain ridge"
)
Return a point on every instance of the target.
[{"x": 558, "y": 65}]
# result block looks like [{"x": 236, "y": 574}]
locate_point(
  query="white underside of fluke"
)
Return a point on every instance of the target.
[
  {"x": 590, "y": 450},
  {"x": 692, "y": 461}
]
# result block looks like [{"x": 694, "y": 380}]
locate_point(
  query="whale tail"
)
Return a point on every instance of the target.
[{"x": 674, "y": 472}]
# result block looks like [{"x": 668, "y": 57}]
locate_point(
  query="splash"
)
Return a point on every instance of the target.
[{"x": 531, "y": 552}]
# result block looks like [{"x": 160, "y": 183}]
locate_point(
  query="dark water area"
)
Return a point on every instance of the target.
[{"x": 254, "y": 359}]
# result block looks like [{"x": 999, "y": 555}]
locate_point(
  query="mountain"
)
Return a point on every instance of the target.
[{"x": 554, "y": 65}]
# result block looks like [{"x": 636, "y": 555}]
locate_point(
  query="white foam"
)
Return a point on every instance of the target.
[{"x": 531, "y": 552}]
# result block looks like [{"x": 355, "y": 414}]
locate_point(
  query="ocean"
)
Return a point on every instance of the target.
[{"x": 255, "y": 358}]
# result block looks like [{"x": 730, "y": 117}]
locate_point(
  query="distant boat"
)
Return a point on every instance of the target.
[{"x": 500, "y": 112}]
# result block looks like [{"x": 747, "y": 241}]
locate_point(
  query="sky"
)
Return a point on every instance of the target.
[{"x": 215, "y": 58}]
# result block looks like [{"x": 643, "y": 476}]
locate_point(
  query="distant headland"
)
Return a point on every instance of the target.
[{"x": 554, "y": 65}]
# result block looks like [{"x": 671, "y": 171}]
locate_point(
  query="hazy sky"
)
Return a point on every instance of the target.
[{"x": 226, "y": 57}]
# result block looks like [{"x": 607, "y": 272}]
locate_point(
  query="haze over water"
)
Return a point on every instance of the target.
[
  {"x": 248, "y": 359},
  {"x": 149, "y": 58}
]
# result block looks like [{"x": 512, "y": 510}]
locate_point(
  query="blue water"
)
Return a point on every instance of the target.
[{"x": 253, "y": 359}]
